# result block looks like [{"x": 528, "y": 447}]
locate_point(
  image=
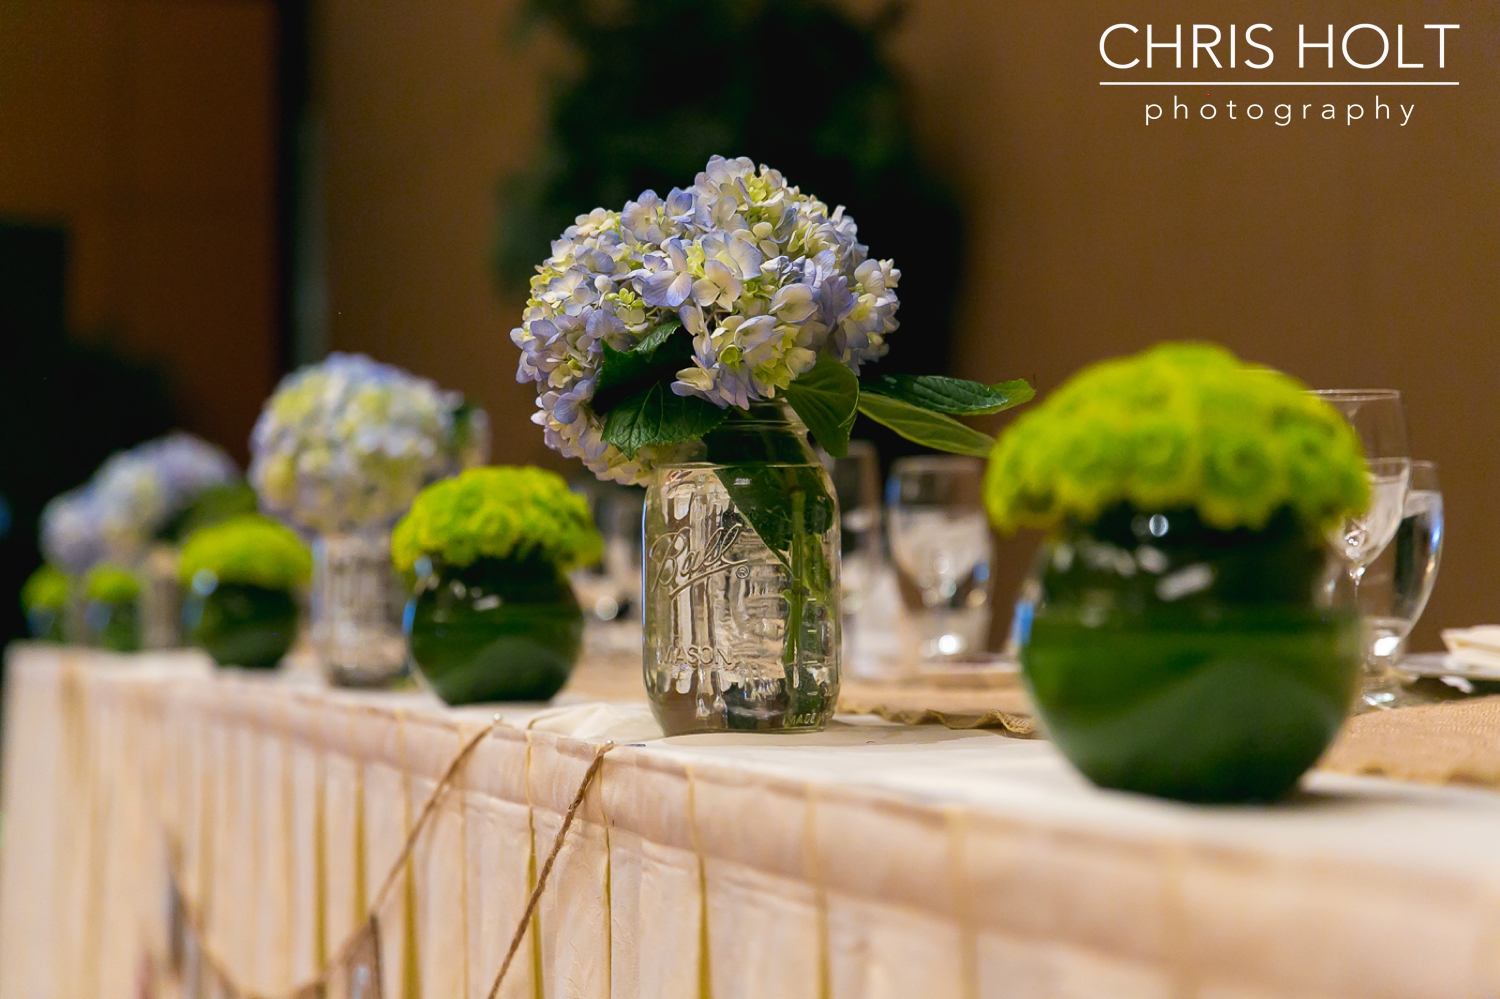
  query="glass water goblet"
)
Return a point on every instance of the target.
[
  {"x": 1395, "y": 588},
  {"x": 940, "y": 542},
  {"x": 1378, "y": 418},
  {"x": 611, "y": 590}
]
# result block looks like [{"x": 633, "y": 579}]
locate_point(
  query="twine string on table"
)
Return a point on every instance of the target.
[
  {"x": 541, "y": 881},
  {"x": 193, "y": 922}
]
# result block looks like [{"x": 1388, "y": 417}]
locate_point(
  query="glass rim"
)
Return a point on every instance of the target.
[
  {"x": 1423, "y": 464},
  {"x": 1356, "y": 395}
]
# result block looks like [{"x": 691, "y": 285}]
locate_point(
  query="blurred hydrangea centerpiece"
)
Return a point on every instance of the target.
[
  {"x": 341, "y": 449},
  {"x": 128, "y": 513},
  {"x": 688, "y": 343}
]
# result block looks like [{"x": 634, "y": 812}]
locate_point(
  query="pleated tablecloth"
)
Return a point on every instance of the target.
[{"x": 871, "y": 860}]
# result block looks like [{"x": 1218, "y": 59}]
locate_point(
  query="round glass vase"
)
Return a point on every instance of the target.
[
  {"x": 112, "y": 625},
  {"x": 494, "y": 630},
  {"x": 741, "y": 582},
  {"x": 355, "y": 609},
  {"x": 240, "y": 624},
  {"x": 1173, "y": 659},
  {"x": 46, "y": 624}
]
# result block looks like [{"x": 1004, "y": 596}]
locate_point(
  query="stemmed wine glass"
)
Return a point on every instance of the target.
[
  {"x": 1378, "y": 418},
  {"x": 1394, "y": 590}
]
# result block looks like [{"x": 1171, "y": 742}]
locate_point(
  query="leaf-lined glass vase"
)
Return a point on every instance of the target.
[{"x": 741, "y": 581}]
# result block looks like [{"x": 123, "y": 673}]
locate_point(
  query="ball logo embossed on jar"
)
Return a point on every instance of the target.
[{"x": 679, "y": 567}]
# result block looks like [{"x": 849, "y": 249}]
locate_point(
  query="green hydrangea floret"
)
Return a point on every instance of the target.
[
  {"x": 499, "y": 512},
  {"x": 46, "y": 590},
  {"x": 248, "y": 550},
  {"x": 1182, "y": 425},
  {"x": 111, "y": 584}
]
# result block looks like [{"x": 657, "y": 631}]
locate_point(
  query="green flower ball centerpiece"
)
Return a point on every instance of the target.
[
  {"x": 111, "y": 617},
  {"x": 1174, "y": 637},
  {"x": 340, "y": 450},
  {"x": 689, "y": 344},
  {"x": 44, "y": 599},
  {"x": 242, "y": 575},
  {"x": 492, "y": 616}
]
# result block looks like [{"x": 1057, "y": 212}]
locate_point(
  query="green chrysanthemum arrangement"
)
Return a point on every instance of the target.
[
  {"x": 1182, "y": 425},
  {"x": 108, "y": 583},
  {"x": 500, "y": 512},
  {"x": 46, "y": 589},
  {"x": 248, "y": 550}
]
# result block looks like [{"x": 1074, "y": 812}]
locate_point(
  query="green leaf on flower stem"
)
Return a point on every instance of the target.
[
  {"x": 956, "y": 396},
  {"x": 654, "y": 361},
  {"x": 657, "y": 337},
  {"x": 657, "y": 415},
  {"x": 826, "y": 398},
  {"x": 765, "y": 494},
  {"x": 934, "y": 430}
]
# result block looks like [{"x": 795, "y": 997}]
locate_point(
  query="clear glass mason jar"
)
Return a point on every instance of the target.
[
  {"x": 355, "y": 609},
  {"x": 161, "y": 598},
  {"x": 741, "y": 582}
]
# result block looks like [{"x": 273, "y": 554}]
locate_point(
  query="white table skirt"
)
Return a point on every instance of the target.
[{"x": 872, "y": 860}]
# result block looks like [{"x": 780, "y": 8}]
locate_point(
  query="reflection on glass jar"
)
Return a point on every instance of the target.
[
  {"x": 355, "y": 598},
  {"x": 741, "y": 583}
]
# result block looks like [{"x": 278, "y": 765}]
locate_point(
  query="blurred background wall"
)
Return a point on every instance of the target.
[
  {"x": 1347, "y": 255},
  {"x": 146, "y": 129}
]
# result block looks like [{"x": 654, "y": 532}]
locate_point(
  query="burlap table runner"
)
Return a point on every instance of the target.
[
  {"x": 998, "y": 706},
  {"x": 1455, "y": 742},
  {"x": 995, "y": 702}
]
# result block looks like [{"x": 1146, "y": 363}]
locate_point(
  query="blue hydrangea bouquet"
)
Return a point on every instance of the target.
[{"x": 649, "y": 327}]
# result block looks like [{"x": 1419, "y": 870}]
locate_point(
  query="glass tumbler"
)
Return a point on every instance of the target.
[{"x": 940, "y": 542}]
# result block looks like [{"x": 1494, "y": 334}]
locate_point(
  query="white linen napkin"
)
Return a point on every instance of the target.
[{"x": 1475, "y": 648}]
